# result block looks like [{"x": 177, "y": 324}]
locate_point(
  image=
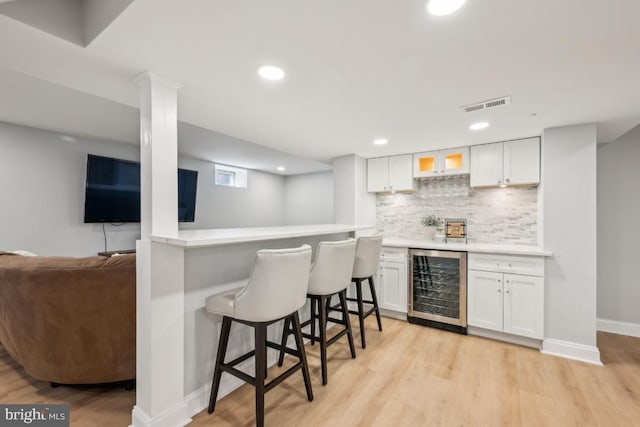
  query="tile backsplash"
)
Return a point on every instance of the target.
[{"x": 494, "y": 215}]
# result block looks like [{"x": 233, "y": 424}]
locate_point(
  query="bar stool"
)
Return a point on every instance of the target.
[
  {"x": 330, "y": 275},
  {"x": 366, "y": 264},
  {"x": 275, "y": 290}
]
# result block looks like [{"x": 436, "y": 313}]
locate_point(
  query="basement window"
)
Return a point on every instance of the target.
[{"x": 229, "y": 176}]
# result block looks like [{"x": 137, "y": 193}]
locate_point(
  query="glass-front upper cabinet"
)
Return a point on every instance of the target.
[{"x": 453, "y": 161}]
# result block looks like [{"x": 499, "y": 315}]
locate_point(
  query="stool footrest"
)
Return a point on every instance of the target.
[
  {"x": 364, "y": 301},
  {"x": 240, "y": 359},
  {"x": 283, "y": 376}
]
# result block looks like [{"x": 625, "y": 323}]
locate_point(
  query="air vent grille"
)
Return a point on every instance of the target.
[{"x": 485, "y": 105}]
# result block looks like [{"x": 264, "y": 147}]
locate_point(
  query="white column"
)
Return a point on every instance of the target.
[
  {"x": 569, "y": 209},
  {"x": 352, "y": 203},
  {"x": 160, "y": 267}
]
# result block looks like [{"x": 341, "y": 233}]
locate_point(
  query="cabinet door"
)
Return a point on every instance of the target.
[
  {"x": 522, "y": 161},
  {"x": 400, "y": 173},
  {"x": 377, "y": 174},
  {"x": 484, "y": 305},
  {"x": 454, "y": 161},
  {"x": 426, "y": 164},
  {"x": 392, "y": 286},
  {"x": 486, "y": 165},
  {"x": 523, "y": 305}
]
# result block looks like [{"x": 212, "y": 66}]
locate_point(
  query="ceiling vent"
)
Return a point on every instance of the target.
[{"x": 485, "y": 105}]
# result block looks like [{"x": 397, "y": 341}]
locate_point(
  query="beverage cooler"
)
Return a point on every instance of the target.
[{"x": 438, "y": 289}]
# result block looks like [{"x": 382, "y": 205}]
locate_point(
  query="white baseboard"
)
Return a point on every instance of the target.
[
  {"x": 176, "y": 416},
  {"x": 393, "y": 314},
  {"x": 571, "y": 350},
  {"x": 618, "y": 327},
  {"x": 501, "y": 336}
]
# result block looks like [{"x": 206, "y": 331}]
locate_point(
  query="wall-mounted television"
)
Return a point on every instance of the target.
[{"x": 113, "y": 191}]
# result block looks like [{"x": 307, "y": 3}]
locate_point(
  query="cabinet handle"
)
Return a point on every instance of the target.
[
  {"x": 391, "y": 187},
  {"x": 442, "y": 171},
  {"x": 509, "y": 265},
  {"x": 435, "y": 171},
  {"x": 499, "y": 280},
  {"x": 508, "y": 180},
  {"x": 499, "y": 182},
  {"x": 499, "y": 290}
]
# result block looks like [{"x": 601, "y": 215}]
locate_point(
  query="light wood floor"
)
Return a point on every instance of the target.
[
  {"x": 89, "y": 406},
  {"x": 408, "y": 376}
]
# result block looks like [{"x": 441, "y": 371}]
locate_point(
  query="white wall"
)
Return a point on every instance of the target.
[
  {"x": 618, "y": 231},
  {"x": 42, "y": 181},
  {"x": 42, "y": 184},
  {"x": 352, "y": 203},
  {"x": 308, "y": 199},
  {"x": 260, "y": 204},
  {"x": 569, "y": 195}
]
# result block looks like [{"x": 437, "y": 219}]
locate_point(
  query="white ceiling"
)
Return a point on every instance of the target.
[{"x": 356, "y": 70}]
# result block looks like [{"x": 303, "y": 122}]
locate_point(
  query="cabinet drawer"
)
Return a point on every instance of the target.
[
  {"x": 516, "y": 264},
  {"x": 393, "y": 254}
]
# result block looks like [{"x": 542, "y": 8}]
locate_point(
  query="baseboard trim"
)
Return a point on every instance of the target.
[
  {"x": 176, "y": 416},
  {"x": 618, "y": 327},
  {"x": 501, "y": 336},
  {"x": 393, "y": 314},
  {"x": 572, "y": 350}
]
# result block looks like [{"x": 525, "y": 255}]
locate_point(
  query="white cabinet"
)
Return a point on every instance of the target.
[
  {"x": 390, "y": 174},
  {"x": 442, "y": 162},
  {"x": 484, "y": 300},
  {"x": 506, "y": 163},
  {"x": 377, "y": 174},
  {"x": 391, "y": 280},
  {"x": 499, "y": 300}
]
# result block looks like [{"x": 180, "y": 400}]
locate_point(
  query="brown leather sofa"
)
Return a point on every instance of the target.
[{"x": 70, "y": 320}]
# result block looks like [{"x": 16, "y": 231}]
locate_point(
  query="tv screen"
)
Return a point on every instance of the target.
[{"x": 113, "y": 191}]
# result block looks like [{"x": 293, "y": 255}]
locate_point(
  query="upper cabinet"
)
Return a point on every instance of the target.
[
  {"x": 442, "y": 162},
  {"x": 506, "y": 163},
  {"x": 390, "y": 174}
]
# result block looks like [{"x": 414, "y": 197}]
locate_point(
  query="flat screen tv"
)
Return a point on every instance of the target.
[{"x": 113, "y": 191}]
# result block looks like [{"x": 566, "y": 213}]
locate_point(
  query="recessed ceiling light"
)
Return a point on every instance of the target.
[
  {"x": 479, "y": 126},
  {"x": 380, "y": 141},
  {"x": 281, "y": 168},
  {"x": 443, "y": 7},
  {"x": 271, "y": 72},
  {"x": 68, "y": 138}
]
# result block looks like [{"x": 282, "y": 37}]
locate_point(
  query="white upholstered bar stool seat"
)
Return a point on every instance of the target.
[
  {"x": 365, "y": 266},
  {"x": 330, "y": 275},
  {"x": 275, "y": 290}
]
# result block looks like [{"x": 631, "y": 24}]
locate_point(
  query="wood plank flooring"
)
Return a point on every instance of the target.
[
  {"x": 107, "y": 406},
  {"x": 409, "y": 375}
]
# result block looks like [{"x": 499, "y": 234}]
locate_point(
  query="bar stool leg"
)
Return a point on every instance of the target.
[
  {"x": 345, "y": 316},
  {"x": 314, "y": 316},
  {"x": 297, "y": 332},
  {"x": 222, "y": 351},
  {"x": 375, "y": 302},
  {"x": 283, "y": 343},
  {"x": 323, "y": 336},
  {"x": 261, "y": 370},
  {"x": 360, "y": 311}
]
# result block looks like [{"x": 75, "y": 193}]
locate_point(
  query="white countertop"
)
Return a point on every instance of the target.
[
  {"x": 226, "y": 236},
  {"x": 471, "y": 247}
]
